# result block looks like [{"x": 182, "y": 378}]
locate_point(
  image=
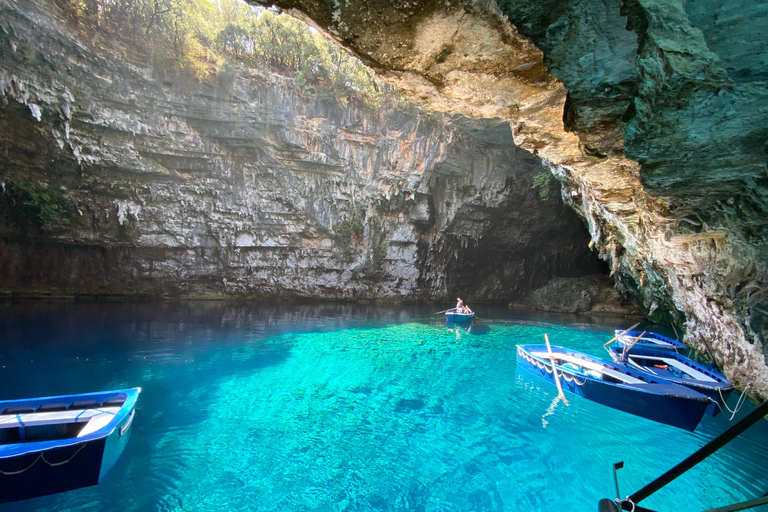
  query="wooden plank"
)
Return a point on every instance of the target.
[{"x": 32, "y": 419}]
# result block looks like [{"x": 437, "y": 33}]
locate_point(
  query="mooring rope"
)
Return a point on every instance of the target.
[
  {"x": 42, "y": 456},
  {"x": 739, "y": 403}
]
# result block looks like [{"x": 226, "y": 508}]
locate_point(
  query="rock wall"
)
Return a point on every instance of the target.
[
  {"x": 653, "y": 115},
  {"x": 253, "y": 186}
]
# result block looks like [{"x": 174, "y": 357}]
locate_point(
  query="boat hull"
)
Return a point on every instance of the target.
[
  {"x": 666, "y": 403},
  {"x": 459, "y": 318},
  {"x": 38, "y": 468}
]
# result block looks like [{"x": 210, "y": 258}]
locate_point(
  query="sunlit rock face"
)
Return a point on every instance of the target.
[
  {"x": 652, "y": 114},
  {"x": 252, "y": 187}
]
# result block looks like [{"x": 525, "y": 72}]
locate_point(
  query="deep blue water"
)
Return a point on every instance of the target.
[{"x": 351, "y": 408}]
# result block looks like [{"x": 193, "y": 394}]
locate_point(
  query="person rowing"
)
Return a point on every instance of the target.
[{"x": 461, "y": 308}]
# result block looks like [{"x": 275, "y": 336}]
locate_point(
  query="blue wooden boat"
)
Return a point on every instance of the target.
[
  {"x": 677, "y": 368},
  {"x": 59, "y": 443},
  {"x": 616, "y": 385},
  {"x": 458, "y": 318},
  {"x": 647, "y": 339}
]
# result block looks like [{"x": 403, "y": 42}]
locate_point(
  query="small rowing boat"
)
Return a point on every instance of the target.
[
  {"x": 674, "y": 367},
  {"x": 452, "y": 315},
  {"x": 616, "y": 385},
  {"x": 59, "y": 443},
  {"x": 625, "y": 338}
]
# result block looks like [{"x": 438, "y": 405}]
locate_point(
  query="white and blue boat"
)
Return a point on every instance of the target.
[
  {"x": 616, "y": 385},
  {"x": 677, "y": 368},
  {"x": 452, "y": 315},
  {"x": 59, "y": 443},
  {"x": 647, "y": 339}
]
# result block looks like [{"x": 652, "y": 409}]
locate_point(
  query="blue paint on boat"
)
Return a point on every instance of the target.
[
  {"x": 616, "y": 385},
  {"x": 59, "y": 443},
  {"x": 679, "y": 369},
  {"x": 648, "y": 339},
  {"x": 458, "y": 318}
]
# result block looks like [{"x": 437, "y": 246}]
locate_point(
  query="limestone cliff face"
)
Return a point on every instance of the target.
[
  {"x": 253, "y": 186},
  {"x": 652, "y": 114}
]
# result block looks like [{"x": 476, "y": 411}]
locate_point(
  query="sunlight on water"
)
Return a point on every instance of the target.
[{"x": 386, "y": 411}]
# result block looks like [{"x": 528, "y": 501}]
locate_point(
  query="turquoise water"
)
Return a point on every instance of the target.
[{"x": 342, "y": 408}]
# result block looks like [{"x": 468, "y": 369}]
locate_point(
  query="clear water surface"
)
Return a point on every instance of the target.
[{"x": 351, "y": 408}]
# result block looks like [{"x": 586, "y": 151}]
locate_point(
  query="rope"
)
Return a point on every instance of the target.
[
  {"x": 549, "y": 369},
  {"x": 626, "y": 502},
  {"x": 739, "y": 402},
  {"x": 10, "y": 473},
  {"x": 54, "y": 464},
  {"x": 572, "y": 378},
  {"x": 42, "y": 456}
]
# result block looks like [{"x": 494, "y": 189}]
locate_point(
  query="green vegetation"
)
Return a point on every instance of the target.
[
  {"x": 543, "y": 182},
  {"x": 202, "y": 38},
  {"x": 378, "y": 250},
  {"x": 47, "y": 207},
  {"x": 344, "y": 232}
]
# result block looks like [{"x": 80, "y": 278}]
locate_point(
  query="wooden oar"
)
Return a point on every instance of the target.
[
  {"x": 444, "y": 311},
  {"x": 554, "y": 370},
  {"x": 621, "y": 334},
  {"x": 626, "y": 348}
]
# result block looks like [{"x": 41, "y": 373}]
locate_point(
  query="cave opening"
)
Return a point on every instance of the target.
[{"x": 207, "y": 149}]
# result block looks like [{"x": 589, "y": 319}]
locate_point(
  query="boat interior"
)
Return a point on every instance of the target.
[
  {"x": 55, "y": 421},
  {"x": 667, "y": 365},
  {"x": 607, "y": 374}
]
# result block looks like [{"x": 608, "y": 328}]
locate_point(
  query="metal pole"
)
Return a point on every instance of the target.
[{"x": 702, "y": 453}]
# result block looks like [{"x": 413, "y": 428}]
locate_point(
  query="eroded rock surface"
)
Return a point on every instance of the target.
[
  {"x": 253, "y": 187},
  {"x": 653, "y": 115},
  {"x": 594, "y": 294}
]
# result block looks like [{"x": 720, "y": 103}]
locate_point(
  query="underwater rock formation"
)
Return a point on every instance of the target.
[
  {"x": 652, "y": 114},
  {"x": 252, "y": 186}
]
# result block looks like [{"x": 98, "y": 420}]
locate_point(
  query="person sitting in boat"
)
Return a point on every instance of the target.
[{"x": 466, "y": 310}]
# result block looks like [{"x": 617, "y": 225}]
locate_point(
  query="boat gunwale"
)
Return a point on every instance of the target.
[
  {"x": 652, "y": 385},
  {"x": 8, "y": 451}
]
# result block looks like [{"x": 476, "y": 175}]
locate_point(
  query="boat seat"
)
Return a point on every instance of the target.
[
  {"x": 52, "y": 407},
  {"x": 33, "y": 419},
  {"x": 84, "y": 404},
  {"x": 17, "y": 410},
  {"x": 114, "y": 401},
  {"x": 686, "y": 369}
]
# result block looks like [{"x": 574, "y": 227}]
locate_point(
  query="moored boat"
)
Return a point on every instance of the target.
[
  {"x": 625, "y": 338},
  {"x": 452, "y": 315},
  {"x": 677, "y": 368},
  {"x": 616, "y": 385},
  {"x": 59, "y": 443}
]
